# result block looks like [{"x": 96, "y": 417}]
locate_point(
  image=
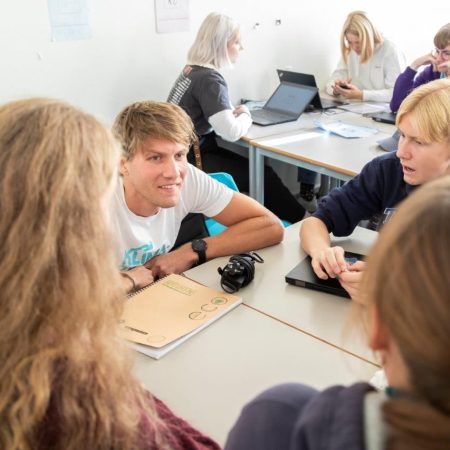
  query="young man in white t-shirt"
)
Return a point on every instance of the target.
[{"x": 158, "y": 188}]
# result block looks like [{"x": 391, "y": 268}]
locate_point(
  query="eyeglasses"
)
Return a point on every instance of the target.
[{"x": 444, "y": 54}]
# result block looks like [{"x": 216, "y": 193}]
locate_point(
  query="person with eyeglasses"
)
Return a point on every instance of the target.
[{"x": 437, "y": 65}]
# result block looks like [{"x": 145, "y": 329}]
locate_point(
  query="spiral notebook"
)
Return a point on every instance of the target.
[{"x": 161, "y": 316}]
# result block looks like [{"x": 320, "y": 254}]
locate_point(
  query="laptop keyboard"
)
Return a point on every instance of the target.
[{"x": 269, "y": 115}]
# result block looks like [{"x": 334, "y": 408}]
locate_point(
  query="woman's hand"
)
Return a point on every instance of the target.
[
  {"x": 348, "y": 90},
  {"x": 351, "y": 279},
  {"x": 241, "y": 109},
  {"x": 329, "y": 262}
]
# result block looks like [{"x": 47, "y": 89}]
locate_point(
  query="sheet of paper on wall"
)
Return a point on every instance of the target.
[
  {"x": 347, "y": 130},
  {"x": 69, "y": 20},
  {"x": 171, "y": 16}
]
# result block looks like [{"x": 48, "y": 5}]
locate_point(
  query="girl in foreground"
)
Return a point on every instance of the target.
[
  {"x": 407, "y": 307},
  {"x": 65, "y": 380}
]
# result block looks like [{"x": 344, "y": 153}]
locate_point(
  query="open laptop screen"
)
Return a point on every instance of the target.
[{"x": 290, "y": 98}]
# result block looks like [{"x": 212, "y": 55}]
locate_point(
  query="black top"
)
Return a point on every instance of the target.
[
  {"x": 296, "y": 417},
  {"x": 201, "y": 92}
]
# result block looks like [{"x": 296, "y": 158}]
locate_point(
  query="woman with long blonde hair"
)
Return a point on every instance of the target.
[
  {"x": 369, "y": 63},
  {"x": 202, "y": 91},
  {"x": 65, "y": 379},
  {"x": 407, "y": 310}
]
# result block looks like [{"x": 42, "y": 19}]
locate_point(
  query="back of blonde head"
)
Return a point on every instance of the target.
[
  {"x": 428, "y": 107},
  {"x": 358, "y": 24},
  {"x": 60, "y": 295},
  {"x": 210, "y": 45},
  {"x": 407, "y": 281}
]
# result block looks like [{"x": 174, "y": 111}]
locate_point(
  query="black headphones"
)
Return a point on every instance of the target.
[{"x": 239, "y": 271}]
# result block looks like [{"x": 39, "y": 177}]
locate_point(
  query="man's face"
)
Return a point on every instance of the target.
[
  {"x": 421, "y": 161},
  {"x": 154, "y": 177}
]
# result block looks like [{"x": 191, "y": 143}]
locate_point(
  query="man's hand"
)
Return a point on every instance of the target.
[
  {"x": 444, "y": 68},
  {"x": 140, "y": 277},
  {"x": 351, "y": 279},
  {"x": 329, "y": 262},
  {"x": 177, "y": 261},
  {"x": 423, "y": 60}
]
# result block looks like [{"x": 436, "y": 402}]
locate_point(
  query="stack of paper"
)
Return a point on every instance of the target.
[{"x": 347, "y": 130}]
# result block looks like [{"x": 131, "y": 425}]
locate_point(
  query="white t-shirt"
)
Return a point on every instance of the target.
[{"x": 138, "y": 239}]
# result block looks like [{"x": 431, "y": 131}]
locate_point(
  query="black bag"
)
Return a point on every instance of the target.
[{"x": 192, "y": 227}]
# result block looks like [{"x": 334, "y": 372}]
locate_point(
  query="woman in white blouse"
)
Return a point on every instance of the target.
[{"x": 369, "y": 64}]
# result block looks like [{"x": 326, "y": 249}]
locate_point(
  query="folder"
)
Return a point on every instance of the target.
[{"x": 166, "y": 313}]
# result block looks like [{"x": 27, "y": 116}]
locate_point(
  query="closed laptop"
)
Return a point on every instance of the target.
[
  {"x": 385, "y": 117},
  {"x": 303, "y": 275}
]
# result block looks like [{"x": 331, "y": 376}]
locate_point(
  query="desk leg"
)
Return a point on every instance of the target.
[
  {"x": 259, "y": 176},
  {"x": 252, "y": 171},
  {"x": 256, "y": 174}
]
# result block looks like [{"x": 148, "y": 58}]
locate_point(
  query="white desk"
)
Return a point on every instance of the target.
[
  {"x": 313, "y": 149},
  {"x": 211, "y": 376},
  {"x": 321, "y": 315}
]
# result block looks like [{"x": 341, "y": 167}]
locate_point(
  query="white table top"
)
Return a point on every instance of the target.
[
  {"x": 306, "y": 122},
  {"x": 322, "y": 149},
  {"x": 322, "y": 315},
  {"x": 209, "y": 378}
]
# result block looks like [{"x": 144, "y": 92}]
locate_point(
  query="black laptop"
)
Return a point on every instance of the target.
[
  {"x": 285, "y": 105},
  {"x": 303, "y": 275},
  {"x": 385, "y": 117},
  {"x": 307, "y": 79}
]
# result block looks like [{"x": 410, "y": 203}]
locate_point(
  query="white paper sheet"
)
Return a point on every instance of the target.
[{"x": 69, "y": 20}]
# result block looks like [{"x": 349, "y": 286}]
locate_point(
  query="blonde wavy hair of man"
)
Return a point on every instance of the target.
[
  {"x": 213, "y": 36},
  {"x": 358, "y": 23},
  {"x": 428, "y": 108},
  {"x": 407, "y": 282},
  {"x": 64, "y": 379},
  {"x": 156, "y": 120}
]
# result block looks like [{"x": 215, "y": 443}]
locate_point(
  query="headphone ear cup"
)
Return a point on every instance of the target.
[{"x": 249, "y": 269}]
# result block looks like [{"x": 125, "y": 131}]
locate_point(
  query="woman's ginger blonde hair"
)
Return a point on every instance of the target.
[
  {"x": 428, "y": 107},
  {"x": 64, "y": 379},
  {"x": 407, "y": 282},
  {"x": 358, "y": 23}
]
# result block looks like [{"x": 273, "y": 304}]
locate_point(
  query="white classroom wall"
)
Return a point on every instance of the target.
[{"x": 126, "y": 60}]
